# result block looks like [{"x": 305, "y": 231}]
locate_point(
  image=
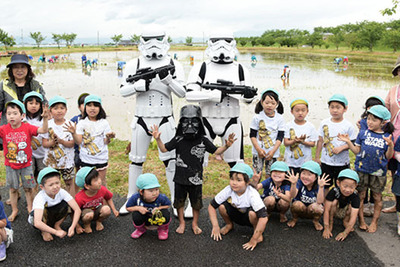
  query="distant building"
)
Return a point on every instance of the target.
[
  {"x": 326, "y": 35},
  {"x": 127, "y": 43}
]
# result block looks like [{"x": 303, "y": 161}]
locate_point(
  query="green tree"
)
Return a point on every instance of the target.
[
  {"x": 57, "y": 38},
  {"x": 135, "y": 38},
  {"x": 116, "y": 38},
  {"x": 391, "y": 38},
  {"x": 188, "y": 41},
  {"x": 390, "y": 11},
  {"x": 337, "y": 38},
  {"x": 38, "y": 37},
  {"x": 314, "y": 39},
  {"x": 370, "y": 33},
  {"x": 6, "y": 40},
  {"x": 352, "y": 40},
  {"x": 170, "y": 39},
  {"x": 69, "y": 38}
]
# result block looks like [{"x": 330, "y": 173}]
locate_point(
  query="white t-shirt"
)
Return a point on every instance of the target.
[
  {"x": 59, "y": 157},
  {"x": 93, "y": 150},
  {"x": 42, "y": 199},
  {"x": 268, "y": 127},
  {"x": 303, "y": 153},
  {"x": 331, "y": 130},
  {"x": 38, "y": 150},
  {"x": 250, "y": 198}
]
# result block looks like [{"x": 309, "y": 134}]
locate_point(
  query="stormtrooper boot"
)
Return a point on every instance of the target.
[{"x": 134, "y": 172}]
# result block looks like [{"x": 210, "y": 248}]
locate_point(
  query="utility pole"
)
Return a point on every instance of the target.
[
  {"x": 22, "y": 37},
  {"x": 98, "y": 43}
]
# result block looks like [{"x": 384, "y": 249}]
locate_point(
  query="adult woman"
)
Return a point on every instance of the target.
[{"x": 392, "y": 103}]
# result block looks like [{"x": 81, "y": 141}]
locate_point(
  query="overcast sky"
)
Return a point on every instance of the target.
[{"x": 180, "y": 18}]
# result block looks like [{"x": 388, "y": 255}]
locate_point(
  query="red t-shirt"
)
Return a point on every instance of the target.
[
  {"x": 17, "y": 144},
  {"x": 86, "y": 202}
]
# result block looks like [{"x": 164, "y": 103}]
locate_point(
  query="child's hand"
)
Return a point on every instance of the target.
[
  {"x": 262, "y": 154},
  {"x": 71, "y": 231},
  {"x": 111, "y": 135},
  {"x": 154, "y": 210},
  {"x": 336, "y": 150},
  {"x": 341, "y": 236},
  {"x": 277, "y": 192},
  {"x": 343, "y": 137},
  {"x": 60, "y": 233},
  {"x": 142, "y": 210},
  {"x": 70, "y": 127},
  {"x": 154, "y": 131},
  {"x": 291, "y": 177},
  {"x": 388, "y": 140},
  {"x": 231, "y": 140},
  {"x": 322, "y": 181},
  {"x": 250, "y": 245},
  {"x": 256, "y": 176},
  {"x": 116, "y": 213},
  {"x": 317, "y": 161},
  {"x": 269, "y": 155},
  {"x": 326, "y": 234},
  {"x": 216, "y": 233},
  {"x": 301, "y": 139},
  {"x": 45, "y": 113}
]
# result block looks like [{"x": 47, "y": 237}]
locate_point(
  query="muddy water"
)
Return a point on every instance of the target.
[{"x": 315, "y": 78}]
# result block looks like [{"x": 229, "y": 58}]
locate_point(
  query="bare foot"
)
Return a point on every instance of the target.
[
  {"x": 372, "y": 227},
  {"x": 99, "y": 226},
  {"x": 363, "y": 226},
  {"x": 292, "y": 223},
  {"x": 79, "y": 229},
  {"x": 196, "y": 230},
  {"x": 180, "y": 229},
  {"x": 88, "y": 228},
  {"x": 391, "y": 209},
  {"x": 226, "y": 229},
  {"x": 47, "y": 236},
  {"x": 317, "y": 225},
  {"x": 13, "y": 215},
  {"x": 283, "y": 218}
]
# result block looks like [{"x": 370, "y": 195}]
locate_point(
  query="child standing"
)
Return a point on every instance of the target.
[
  {"x": 396, "y": 183},
  {"x": 93, "y": 134},
  {"x": 267, "y": 130},
  {"x": 149, "y": 207},
  {"x": 50, "y": 206},
  {"x": 17, "y": 136},
  {"x": 373, "y": 148},
  {"x": 331, "y": 153},
  {"x": 95, "y": 200},
  {"x": 300, "y": 136},
  {"x": 307, "y": 194},
  {"x": 276, "y": 193},
  {"x": 190, "y": 144},
  {"x": 59, "y": 151},
  {"x": 342, "y": 202},
  {"x": 239, "y": 203},
  {"x": 6, "y": 233}
]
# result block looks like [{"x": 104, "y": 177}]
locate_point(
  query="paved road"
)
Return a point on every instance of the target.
[{"x": 282, "y": 246}]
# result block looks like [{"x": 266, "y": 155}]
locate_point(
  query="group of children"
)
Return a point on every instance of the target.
[{"x": 298, "y": 183}]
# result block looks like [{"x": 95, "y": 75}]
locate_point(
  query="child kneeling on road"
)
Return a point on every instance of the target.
[
  {"x": 94, "y": 199},
  {"x": 50, "y": 206},
  {"x": 149, "y": 207},
  {"x": 342, "y": 202},
  {"x": 239, "y": 202}
]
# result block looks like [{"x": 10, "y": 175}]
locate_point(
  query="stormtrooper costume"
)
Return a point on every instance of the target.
[
  {"x": 153, "y": 105},
  {"x": 220, "y": 113}
]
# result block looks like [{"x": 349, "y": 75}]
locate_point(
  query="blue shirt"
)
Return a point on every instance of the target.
[
  {"x": 136, "y": 200},
  {"x": 304, "y": 195},
  {"x": 76, "y": 119},
  {"x": 268, "y": 186},
  {"x": 397, "y": 149},
  {"x": 363, "y": 124},
  {"x": 372, "y": 158},
  {"x": 3, "y": 215}
]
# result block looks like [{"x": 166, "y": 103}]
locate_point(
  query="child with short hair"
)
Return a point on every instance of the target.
[
  {"x": 307, "y": 194},
  {"x": 239, "y": 203},
  {"x": 276, "y": 193},
  {"x": 373, "y": 148},
  {"x": 300, "y": 136},
  {"x": 17, "y": 137},
  {"x": 190, "y": 144},
  {"x": 342, "y": 202},
  {"x": 95, "y": 200},
  {"x": 50, "y": 206},
  {"x": 59, "y": 152},
  {"x": 6, "y": 233},
  {"x": 331, "y": 153},
  {"x": 149, "y": 207},
  {"x": 93, "y": 134},
  {"x": 267, "y": 130}
]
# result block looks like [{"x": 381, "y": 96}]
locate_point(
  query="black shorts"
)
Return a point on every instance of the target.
[
  {"x": 237, "y": 216},
  {"x": 53, "y": 214},
  {"x": 296, "y": 170},
  {"x": 333, "y": 172},
  {"x": 97, "y": 166},
  {"x": 195, "y": 195}
]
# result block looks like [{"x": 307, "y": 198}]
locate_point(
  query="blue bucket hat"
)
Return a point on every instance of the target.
[
  {"x": 242, "y": 168},
  {"x": 57, "y": 99},
  {"x": 269, "y": 90},
  {"x": 92, "y": 98},
  {"x": 380, "y": 112},
  {"x": 350, "y": 174},
  {"x": 279, "y": 166},
  {"x": 81, "y": 176},
  {"x": 339, "y": 98},
  {"x": 33, "y": 93},
  {"x": 312, "y": 166},
  {"x": 147, "y": 181},
  {"x": 18, "y": 103},
  {"x": 44, "y": 172},
  {"x": 19, "y": 58}
]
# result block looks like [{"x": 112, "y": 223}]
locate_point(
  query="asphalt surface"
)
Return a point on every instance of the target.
[{"x": 300, "y": 246}]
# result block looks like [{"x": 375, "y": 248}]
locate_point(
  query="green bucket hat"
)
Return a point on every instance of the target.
[
  {"x": 147, "y": 181},
  {"x": 92, "y": 98},
  {"x": 312, "y": 166},
  {"x": 18, "y": 103},
  {"x": 350, "y": 174},
  {"x": 44, "y": 172},
  {"x": 242, "y": 168},
  {"x": 279, "y": 166},
  {"x": 380, "y": 112},
  {"x": 57, "y": 99},
  {"x": 81, "y": 176},
  {"x": 33, "y": 93},
  {"x": 339, "y": 98}
]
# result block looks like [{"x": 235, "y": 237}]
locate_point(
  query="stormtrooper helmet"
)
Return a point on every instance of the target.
[
  {"x": 154, "y": 45},
  {"x": 191, "y": 123},
  {"x": 221, "y": 48}
]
